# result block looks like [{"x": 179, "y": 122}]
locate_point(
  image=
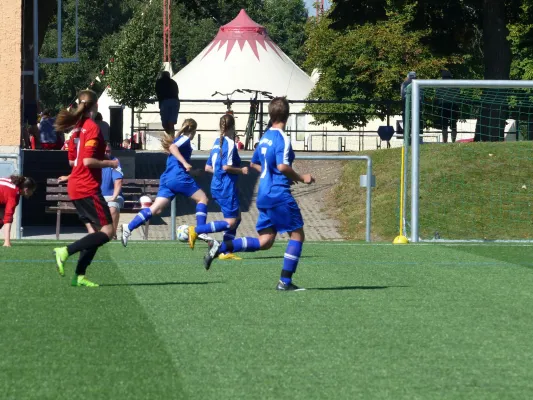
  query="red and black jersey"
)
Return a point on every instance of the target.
[
  {"x": 9, "y": 199},
  {"x": 86, "y": 142}
]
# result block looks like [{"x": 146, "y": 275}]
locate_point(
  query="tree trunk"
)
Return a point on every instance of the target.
[{"x": 497, "y": 61}]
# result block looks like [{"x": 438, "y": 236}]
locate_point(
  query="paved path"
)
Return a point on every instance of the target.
[{"x": 314, "y": 200}]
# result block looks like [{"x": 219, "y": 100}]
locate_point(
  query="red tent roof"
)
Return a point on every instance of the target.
[
  {"x": 241, "y": 30},
  {"x": 242, "y": 23}
]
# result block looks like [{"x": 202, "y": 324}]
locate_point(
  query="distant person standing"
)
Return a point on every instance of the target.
[
  {"x": 238, "y": 143},
  {"x": 450, "y": 110},
  {"x": 410, "y": 76},
  {"x": 167, "y": 92},
  {"x": 104, "y": 126},
  {"x": 47, "y": 132}
]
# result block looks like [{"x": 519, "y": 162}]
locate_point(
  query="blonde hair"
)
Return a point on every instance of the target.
[
  {"x": 66, "y": 119},
  {"x": 227, "y": 122},
  {"x": 189, "y": 126}
]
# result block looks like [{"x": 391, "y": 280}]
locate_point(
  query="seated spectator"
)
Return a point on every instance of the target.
[
  {"x": 47, "y": 132},
  {"x": 112, "y": 189},
  {"x": 238, "y": 143},
  {"x": 104, "y": 126},
  {"x": 126, "y": 144}
]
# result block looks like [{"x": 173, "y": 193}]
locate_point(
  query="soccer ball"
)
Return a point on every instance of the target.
[
  {"x": 183, "y": 233},
  {"x": 145, "y": 201}
]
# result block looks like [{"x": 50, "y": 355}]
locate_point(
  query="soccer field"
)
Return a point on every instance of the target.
[{"x": 378, "y": 322}]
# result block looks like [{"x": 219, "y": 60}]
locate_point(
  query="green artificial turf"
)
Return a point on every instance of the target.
[{"x": 379, "y": 322}]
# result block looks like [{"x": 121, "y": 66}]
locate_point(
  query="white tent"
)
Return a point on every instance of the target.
[{"x": 241, "y": 56}]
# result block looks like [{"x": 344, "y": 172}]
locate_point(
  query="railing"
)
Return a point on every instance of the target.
[{"x": 299, "y": 133}]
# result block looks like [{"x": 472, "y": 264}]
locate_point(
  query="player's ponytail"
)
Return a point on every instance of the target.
[
  {"x": 66, "y": 119},
  {"x": 23, "y": 182},
  {"x": 227, "y": 123},
  {"x": 189, "y": 126}
]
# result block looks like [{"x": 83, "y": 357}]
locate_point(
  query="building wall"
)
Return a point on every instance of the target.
[
  {"x": 10, "y": 73},
  {"x": 10, "y": 86}
]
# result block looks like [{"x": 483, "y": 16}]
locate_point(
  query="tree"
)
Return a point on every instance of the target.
[
  {"x": 138, "y": 59},
  {"x": 474, "y": 29},
  {"x": 99, "y": 22},
  {"x": 285, "y": 21},
  {"x": 366, "y": 63}
]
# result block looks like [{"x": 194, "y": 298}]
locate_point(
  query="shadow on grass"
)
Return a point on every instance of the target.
[
  {"x": 277, "y": 257},
  {"x": 158, "y": 283},
  {"x": 355, "y": 287}
]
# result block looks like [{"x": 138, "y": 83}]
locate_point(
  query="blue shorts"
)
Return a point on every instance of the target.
[
  {"x": 230, "y": 206},
  {"x": 283, "y": 218},
  {"x": 169, "y": 109},
  {"x": 185, "y": 186}
]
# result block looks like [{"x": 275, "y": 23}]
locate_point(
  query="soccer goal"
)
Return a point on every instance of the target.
[{"x": 474, "y": 180}]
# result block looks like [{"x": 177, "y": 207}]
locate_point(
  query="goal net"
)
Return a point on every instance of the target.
[{"x": 475, "y": 182}]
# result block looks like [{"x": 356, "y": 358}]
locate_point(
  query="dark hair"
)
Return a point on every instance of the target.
[
  {"x": 66, "y": 119},
  {"x": 46, "y": 113},
  {"x": 23, "y": 182},
  {"x": 227, "y": 122},
  {"x": 278, "y": 109},
  {"x": 98, "y": 117}
]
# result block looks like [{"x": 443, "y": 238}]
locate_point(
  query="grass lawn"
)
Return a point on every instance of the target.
[
  {"x": 467, "y": 191},
  {"x": 379, "y": 322}
]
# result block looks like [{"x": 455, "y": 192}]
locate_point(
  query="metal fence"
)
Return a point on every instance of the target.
[{"x": 310, "y": 137}]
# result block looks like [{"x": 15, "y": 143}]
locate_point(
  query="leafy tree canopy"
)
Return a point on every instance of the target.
[{"x": 367, "y": 62}]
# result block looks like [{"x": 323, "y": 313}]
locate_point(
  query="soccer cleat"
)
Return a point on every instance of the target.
[
  {"x": 81, "y": 280},
  {"x": 192, "y": 236},
  {"x": 211, "y": 254},
  {"x": 205, "y": 238},
  {"x": 126, "y": 233},
  {"x": 61, "y": 258},
  {"x": 289, "y": 287},
  {"x": 228, "y": 256}
]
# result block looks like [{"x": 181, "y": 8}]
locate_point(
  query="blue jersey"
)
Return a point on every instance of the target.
[
  {"x": 223, "y": 184},
  {"x": 175, "y": 169},
  {"x": 273, "y": 149},
  {"x": 109, "y": 176}
]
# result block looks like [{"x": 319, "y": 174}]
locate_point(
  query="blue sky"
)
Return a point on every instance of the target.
[{"x": 309, "y": 4}]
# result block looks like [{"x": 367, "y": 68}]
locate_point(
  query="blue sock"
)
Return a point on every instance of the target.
[
  {"x": 144, "y": 215},
  {"x": 248, "y": 244},
  {"x": 290, "y": 260},
  {"x": 215, "y": 226},
  {"x": 230, "y": 234},
  {"x": 201, "y": 214}
]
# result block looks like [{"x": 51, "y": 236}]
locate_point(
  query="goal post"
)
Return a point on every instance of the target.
[{"x": 490, "y": 194}]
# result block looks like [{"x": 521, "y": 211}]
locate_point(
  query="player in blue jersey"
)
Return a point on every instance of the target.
[
  {"x": 224, "y": 163},
  {"x": 278, "y": 211},
  {"x": 175, "y": 180}
]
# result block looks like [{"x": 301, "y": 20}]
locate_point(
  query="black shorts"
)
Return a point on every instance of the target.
[
  {"x": 2, "y": 211},
  {"x": 94, "y": 210}
]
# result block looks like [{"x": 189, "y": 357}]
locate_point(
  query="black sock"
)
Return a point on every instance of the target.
[
  {"x": 229, "y": 246},
  {"x": 86, "y": 256},
  {"x": 96, "y": 239}
]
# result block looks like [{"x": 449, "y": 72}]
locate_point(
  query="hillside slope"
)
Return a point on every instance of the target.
[{"x": 467, "y": 191}]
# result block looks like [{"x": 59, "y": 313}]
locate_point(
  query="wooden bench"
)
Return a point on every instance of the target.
[{"x": 132, "y": 190}]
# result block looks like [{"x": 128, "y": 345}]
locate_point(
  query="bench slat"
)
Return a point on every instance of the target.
[
  {"x": 56, "y": 189},
  {"x": 57, "y": 197}
]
